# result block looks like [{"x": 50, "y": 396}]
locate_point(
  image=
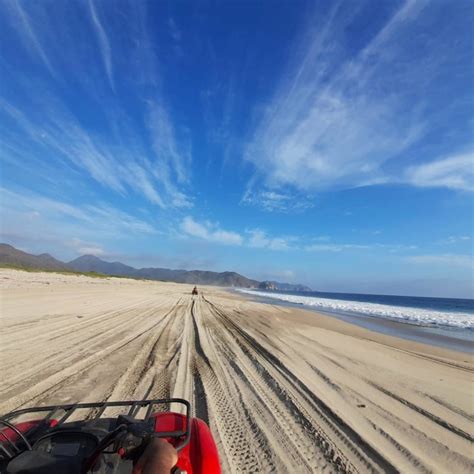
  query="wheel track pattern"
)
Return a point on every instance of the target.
[
  {"x": 436, "y": 419},
  {"x": 141, "y": 364},
  {"x": 231, "y": 428},
  {"x": 79, "y": 341},
  {"x": 266, "y": 415},
  {"x": 55, "y": 382},
  {"x": 320, "y": 436},
  {"x": 79, "y": 344},
  {"x": 270, "y": 411}
]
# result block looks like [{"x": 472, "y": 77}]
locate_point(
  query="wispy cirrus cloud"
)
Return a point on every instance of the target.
[
  {"x": 455, "y": 172},
  {"x": 210, "y": 232},
  {"x": 325, "y": 246},
  {"x": 448, "y": 260},
  {"x": 455, "y": 239},
  {"x": 101, "y": 219},
  {"x": 29, "y": 37},
  {"x": 328, "y": 125},
  {"x": 344, "y": 115},
  {"x": 261, "y": 239},
  {"x": 173, "y": 158},
  {"x": 335, "y": 247},
  {"x": 258, "y": 238},
  {"x": 139, "y": 153},
  {"x": 271, "y": 200},
  {"x": 104, "y": 43}
]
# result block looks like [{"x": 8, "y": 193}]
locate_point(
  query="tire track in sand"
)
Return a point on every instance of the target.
[
  {"x": 276, "y": 400},
  {"x": 327, "y": 429}
]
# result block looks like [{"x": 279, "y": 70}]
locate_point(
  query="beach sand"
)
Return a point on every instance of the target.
[{"x": 284, "y": 390}]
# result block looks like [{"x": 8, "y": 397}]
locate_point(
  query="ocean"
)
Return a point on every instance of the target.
[{"x": 447, "y": 322}]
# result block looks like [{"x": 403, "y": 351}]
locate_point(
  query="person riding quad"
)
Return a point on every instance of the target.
[{"x": 195, "y": 291}]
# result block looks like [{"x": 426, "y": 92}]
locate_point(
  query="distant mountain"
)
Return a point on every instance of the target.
[
  {"x": 91, "y": 263},
  {"x": 10, "y": 256},
  {"x": 198, "y": 277},
  {"x": 274, "y": 285}
]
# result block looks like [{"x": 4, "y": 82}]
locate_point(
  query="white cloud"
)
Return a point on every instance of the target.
[
  {"x": 259, "y": 239},
  {"x": 254, "y": 238},
  {"x": 448, "y": 260},
  {"x": 334, "y": 247},
  {"x": 166, "y": 147},
  {"x": 271, "y": 200},
  {"x": 97, "y": 251},
  {"x": 455, "y": 172},
  {"x": 191, "y": 227},
  {"x": 123, "y": 169},
  {"x": 142, "y": 179},
  {"x": 86, "y": 248},
  {"x": 139, "y": 152},
  {"x": 209, "y": 232},
  {"x": 341, "y": 114},
  {"x": 455, "y": 239},
  {"x": 172, "y": 157},
  {"x": 28, "y": 34},
  {"x": 103, "y": 42},
  {"x": 330, "y": 124},
  {"x": 100, "y": 219},
  {"x": 67, "y": 230},
  {"x": 124, "y": 222}
]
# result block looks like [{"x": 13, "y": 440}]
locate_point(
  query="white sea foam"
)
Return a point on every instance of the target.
[{"x": 409, "y": 315}]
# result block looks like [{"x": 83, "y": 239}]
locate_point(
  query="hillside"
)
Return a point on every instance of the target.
[
  {"x": 10, "y": 256},
  {"x": 90, "y": 263},
  {"x": 198, "y": 277}
]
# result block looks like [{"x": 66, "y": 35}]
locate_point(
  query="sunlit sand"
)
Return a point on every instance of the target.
[{"x": 283, "y": 390}]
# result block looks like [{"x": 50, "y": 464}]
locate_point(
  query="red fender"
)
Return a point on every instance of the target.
[{"x": 200, "y": 455}]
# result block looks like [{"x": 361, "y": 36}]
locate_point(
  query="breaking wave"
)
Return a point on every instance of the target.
[{"x": 417, "y": 316}]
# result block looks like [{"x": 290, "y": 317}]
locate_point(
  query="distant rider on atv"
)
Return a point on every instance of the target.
[{"x": 195, "y": 291}]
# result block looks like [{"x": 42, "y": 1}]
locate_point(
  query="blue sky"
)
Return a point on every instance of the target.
[{"x": 327, "y": 143}]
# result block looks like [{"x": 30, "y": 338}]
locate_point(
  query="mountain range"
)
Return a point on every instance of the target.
[{"x": 10, "y": 256}]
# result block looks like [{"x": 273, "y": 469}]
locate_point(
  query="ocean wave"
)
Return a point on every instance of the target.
[{"x": 418, "y": 316}]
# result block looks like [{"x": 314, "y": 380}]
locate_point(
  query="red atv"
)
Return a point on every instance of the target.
[{"x": 45, "y": 440}]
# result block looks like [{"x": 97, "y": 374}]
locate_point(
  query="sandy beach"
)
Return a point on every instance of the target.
[{"x": 283, "y": 390}]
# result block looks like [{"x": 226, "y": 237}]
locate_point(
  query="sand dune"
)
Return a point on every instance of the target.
[{"x": 283, "y": 390}]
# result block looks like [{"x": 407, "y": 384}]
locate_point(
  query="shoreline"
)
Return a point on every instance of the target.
[{"x": 459, "y": 340}]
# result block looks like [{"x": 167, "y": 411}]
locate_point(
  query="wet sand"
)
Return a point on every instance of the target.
[{"x": 283, "y": 389}]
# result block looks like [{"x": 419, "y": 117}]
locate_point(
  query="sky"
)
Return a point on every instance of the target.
[{"x": 326, "y": 143}]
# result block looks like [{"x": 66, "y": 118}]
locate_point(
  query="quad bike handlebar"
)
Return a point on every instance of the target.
[{"x": 99, "y": 444}]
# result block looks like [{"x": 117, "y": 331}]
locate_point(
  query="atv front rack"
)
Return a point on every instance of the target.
[{"x": 14, "y": 437}]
